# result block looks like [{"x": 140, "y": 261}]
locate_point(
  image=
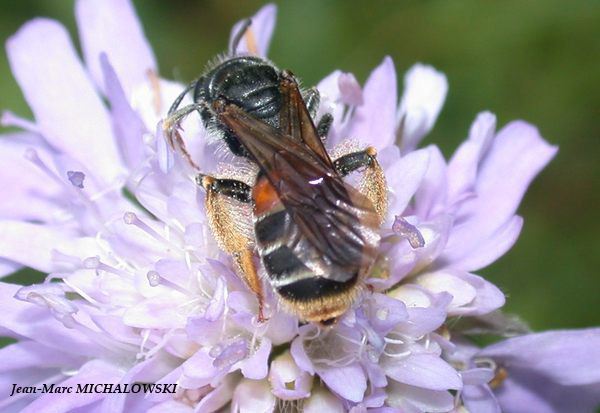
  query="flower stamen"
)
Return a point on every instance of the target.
[
  {"x": 130, "y": 218},
  {"x": 94, "y": 263},
  {"x": 155, "y": 279}
]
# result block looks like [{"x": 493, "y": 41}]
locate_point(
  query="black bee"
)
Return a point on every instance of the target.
[{"x": 316, "y": 235}]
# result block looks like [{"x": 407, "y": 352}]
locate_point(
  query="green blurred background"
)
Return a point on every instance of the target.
[{"x": 535, "y": 60}]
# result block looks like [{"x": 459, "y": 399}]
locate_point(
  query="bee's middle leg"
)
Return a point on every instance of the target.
[
  {"x": 373, "y": 184},
  {"x": 225, "y": 228}
]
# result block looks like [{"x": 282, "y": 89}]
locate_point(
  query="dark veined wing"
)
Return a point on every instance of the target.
[
  {"x": 295, "y": 121},
  {"x": 337, "y": 221}
]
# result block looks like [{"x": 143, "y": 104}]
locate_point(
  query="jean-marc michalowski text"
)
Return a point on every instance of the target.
[{"x": 96, "y": 388}]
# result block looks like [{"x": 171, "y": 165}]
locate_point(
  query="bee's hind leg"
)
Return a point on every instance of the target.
[
  {"x": 225, "y": 228},
  {"x": 373, "y": 184}
]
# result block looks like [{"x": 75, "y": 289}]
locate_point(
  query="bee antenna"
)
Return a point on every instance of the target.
[{"x": 238, "y": 36}]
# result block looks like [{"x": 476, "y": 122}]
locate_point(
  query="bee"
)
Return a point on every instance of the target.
[{"x": 316, "y": 235}]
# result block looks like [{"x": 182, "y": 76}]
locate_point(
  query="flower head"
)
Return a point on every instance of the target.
[{"x": 138, "y": 290}]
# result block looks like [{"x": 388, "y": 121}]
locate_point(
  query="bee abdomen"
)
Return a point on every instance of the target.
[
  {"x": 311, "y": 288},
  {"x": 279, "y": 243},
  {"x": 280, "y": 261},
  {"x": 292, "y": 279},
  {"x": 271, "y": 227},
  {"x": 282, "y": 264}
]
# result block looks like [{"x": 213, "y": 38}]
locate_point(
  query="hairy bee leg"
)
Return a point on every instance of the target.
[
  {"x": 177, "y": 102},
  {"x": 175, "y": 118},
  {"x": 225, "y": 229},
  {"x": 245, "y": 262},
  {"x": 171, "y": 124},
  {"x": 373, "y": 184},
  {"x": 231, "y": 188}
]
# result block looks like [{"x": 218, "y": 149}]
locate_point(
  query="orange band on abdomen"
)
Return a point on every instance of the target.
[{"x": 265, "y": 197}]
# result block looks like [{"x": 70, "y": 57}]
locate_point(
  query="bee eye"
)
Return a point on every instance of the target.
[{"x": 329, "y": 322}]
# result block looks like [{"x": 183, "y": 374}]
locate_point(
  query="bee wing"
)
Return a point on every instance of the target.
[
  {"x": 295, "y": 120},
  {"x": 337, "y": 221}
]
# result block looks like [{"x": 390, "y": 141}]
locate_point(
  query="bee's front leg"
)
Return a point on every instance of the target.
[
  {"x": 373, "y": 184},
  {"x": 226, "y": 229},
  {"x": 312, "y": 98},
  {"x": 171, "y": 123}
]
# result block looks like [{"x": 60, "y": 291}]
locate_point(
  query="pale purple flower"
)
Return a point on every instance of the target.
[
  {"x": 138, "y": 291},
  {"x": 551, "y": 372}
]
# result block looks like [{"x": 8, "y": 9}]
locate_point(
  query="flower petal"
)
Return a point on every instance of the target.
[
  {"x": 298, "y": 351},
  {"x": 171, "y": 406},
  {"x": 282, "y": 328},
  {"x": 385, "y": 312},
  {"x": 128, "y": 126},
  {"x": 287, "y": 380},
  {"x": 424, "y": 93},
  {"x": 41, "y": 326},
  {"x": 492, "y": 248},
  {"x": 411, "y": 295},
  {"x": 408, "y": 397},
  {"x": 198, "y": 370},
  {"x": 25, "y": 377},
  {"x": 431, "y": 197},
  {"x": 34, "y": 245},
  {"x": 569, "y": 357},
  {"x": 253, "y": 396},
  {"x": 350, "y": 91},
  {"x": 146, "y": 371},
  {"x": 374, "y": 122},
  {"x": 349, "y": 381},
  {"x": 256, "y": 366},
  {"x": 25, "y": 354},
  {"x": 524, "y": 392},
  {"x": 447, "y": 281},
  {"x": 423, "y": 370},
  {"x": 8, "y": 267},
  {"x": 95, "y": 371},
  {"x": 67, "y": 109},
  {"x": 32, "y": 193},
  {"x": 112, "y": 27},
  {"x": 405, "y": 177},
  {"x": 426, "y": 312},
  {"x": 219, "y": 397},
  {"x": 472, "y": 295},
  {"x": 462, "y": 168},
  {"x": 480, "y": 399},
  {"x": 488, "y": 298},
  {"x": 263, "y": 23},
  {"x": 321, "y": 400},
  {"x": 477, "y": 375},
  {"x": 156, "y": 312},
  {"x": 516, "y": 155}
]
